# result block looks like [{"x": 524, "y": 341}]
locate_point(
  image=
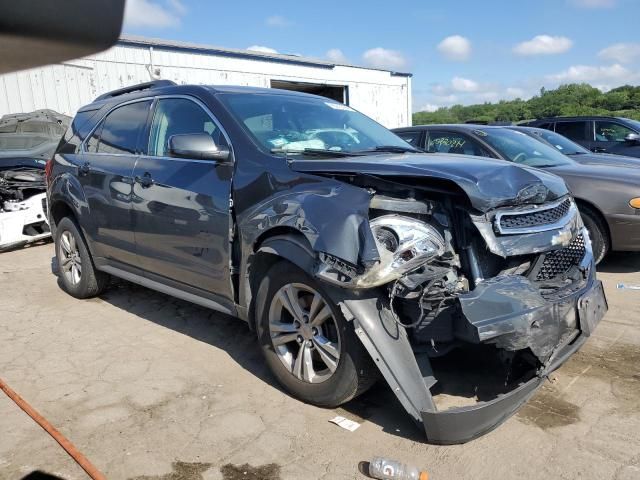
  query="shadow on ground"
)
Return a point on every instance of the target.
[
  {"x": 378, "y": 406},
  {"x": 620, "y": 262}
]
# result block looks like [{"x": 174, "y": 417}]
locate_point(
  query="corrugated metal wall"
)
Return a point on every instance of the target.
[{"x": 64, "y": 88}]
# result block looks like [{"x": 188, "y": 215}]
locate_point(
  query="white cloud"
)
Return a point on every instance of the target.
[
  {"x": 459, "y": 84},
  {"x": 278, "y": 21},
  {"x": 543, "y": 45},
  {"x": 153, "y": 14},
  {"x": 514, "y": 92},
  {"x": 593, "y": 3},
  {"x": 336, "y": 55},
  {"x": 262, "y": 49},
  {"x": 621, "y": 52},
  {"x": 384, "y": 58},
  {"x": 603, "y": 77},
  {"x": 456, "y": 48},
  {"x": 428, "y": 107}
]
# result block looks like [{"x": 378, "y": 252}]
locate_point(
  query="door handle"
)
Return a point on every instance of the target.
[
  {"x": 145, "y": 181},
  {"x": 598, "y": 149},
  {"x": 84, "y": 169}
]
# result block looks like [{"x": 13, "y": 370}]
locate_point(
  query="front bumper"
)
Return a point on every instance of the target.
[
  {"x": 27, "y": 224},
  {"x": 552, "y": 330}
]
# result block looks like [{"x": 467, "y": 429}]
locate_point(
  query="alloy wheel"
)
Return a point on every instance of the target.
[
  {"x": 70, "y": 261},
  {"x": 304, "y": 333}
]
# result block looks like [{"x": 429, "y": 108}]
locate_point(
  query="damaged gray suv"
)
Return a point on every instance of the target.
[{"x": 462, "y": 281}]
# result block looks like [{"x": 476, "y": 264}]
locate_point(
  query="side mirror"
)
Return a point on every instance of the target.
[
  {"x": 632, "y": 138},
  {"x": 198, "y": 146}
]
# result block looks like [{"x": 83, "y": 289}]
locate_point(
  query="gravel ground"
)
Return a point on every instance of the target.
[{"x": 150, "y": 387}]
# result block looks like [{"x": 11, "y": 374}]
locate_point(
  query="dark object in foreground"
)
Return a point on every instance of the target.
[
  {"x": 34, "y": 33},
  {"x": 349, "y": 252}
]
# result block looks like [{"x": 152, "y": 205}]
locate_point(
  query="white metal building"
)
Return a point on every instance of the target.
[{"x": 381, "y": 94}]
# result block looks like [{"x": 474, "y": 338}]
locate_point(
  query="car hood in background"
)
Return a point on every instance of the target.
[
  {"x": 488, "y": 183},
  {"x": 32, "y": 135},
  {"x": 594, "y": 171},
  {"x": 606, "y": 159}
]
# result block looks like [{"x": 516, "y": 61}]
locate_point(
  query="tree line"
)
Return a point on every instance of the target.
[{"x": 566, "y": 100}]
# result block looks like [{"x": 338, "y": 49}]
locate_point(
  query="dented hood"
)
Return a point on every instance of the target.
[{"x": 488, "y": 183}]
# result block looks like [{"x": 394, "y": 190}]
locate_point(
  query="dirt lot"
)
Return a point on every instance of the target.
[{"x": 150, "y": 387}]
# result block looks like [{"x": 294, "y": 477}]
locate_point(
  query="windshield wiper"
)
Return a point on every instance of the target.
[
  {"x": 316, "y": 152},
  {"x": 392, "y": 149}
]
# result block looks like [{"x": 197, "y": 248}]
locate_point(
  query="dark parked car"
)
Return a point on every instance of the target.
[
  {"x": 616, "y": 135},
  {"x": 605, "y": 187},
  {"x": 349, "y": 252}
]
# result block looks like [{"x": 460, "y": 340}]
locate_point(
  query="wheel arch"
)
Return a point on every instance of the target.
[
  {"x": 277, "y": 244},
  {"x": 594, "y": 209}
]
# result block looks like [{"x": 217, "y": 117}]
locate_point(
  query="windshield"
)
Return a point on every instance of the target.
[
  {"x": 521, "y": 148},
  {"x": 291, "y": 123},
  {"x": 559, "y": 142}
]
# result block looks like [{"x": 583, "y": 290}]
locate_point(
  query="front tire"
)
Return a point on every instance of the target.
[
  {"x": 308, "y": 345},
  {"x": 78, "y": 276},
  {"x": 597, "y": 232}
]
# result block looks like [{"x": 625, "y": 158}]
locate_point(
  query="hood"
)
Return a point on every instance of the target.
[
  {"x": 488, "y": 183},
  {"x": 624, "y": 171},
  {"x": 606, "y": 159},
  {"x": 32, "y": 135}
]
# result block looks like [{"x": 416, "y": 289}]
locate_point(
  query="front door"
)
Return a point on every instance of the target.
[
  {"x": 105, "y": 173},
  {"x": 610, "y": 138},
  {"x": 181, "y": 205}
]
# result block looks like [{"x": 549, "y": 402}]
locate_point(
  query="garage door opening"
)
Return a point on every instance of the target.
[{"x": 339, "y": 93}]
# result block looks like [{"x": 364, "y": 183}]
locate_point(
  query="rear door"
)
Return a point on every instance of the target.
[
  {"x": 181, "y": 205},
  {"x": 105, "y": 173},
  {"x": 580, "y": 131}
]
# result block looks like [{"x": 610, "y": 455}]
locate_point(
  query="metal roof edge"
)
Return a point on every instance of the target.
[{"x": 239, "y": 53}]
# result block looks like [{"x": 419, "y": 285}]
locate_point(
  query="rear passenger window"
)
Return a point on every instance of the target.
[
  {"x": 412, "y": 138},
  {"x": 572, "y": 130},
  {"x": 177, "y": 116},
  {"x": 121, "y": 129},
  {"x": 450, "y": 142}
]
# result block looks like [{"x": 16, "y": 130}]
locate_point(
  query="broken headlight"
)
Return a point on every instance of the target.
[{"x": 404, "y": 244}]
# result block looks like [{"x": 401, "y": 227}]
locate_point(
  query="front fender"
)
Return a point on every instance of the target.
[
  {"x": 66, "y": 189},
  {"x": 332, "y": 216}
]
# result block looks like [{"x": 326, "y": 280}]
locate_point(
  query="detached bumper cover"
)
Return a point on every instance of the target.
[{"x": 552, "y": 330}]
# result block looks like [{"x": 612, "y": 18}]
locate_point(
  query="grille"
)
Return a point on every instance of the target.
[
  {"x": 535, "y": 219},
  {"x": 560, "y": 261}
]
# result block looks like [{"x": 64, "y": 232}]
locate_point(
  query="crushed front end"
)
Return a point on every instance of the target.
[{"x": 467, "y": 312}]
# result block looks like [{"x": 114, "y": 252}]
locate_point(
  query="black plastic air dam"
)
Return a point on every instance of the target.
[{"x": 460, "y": 425}]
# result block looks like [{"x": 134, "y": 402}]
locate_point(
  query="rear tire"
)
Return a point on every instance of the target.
[
  {"x": 77, "y": 274},
  {"x": 597, "y": 232},
  {"x": 332, "y": 365}
]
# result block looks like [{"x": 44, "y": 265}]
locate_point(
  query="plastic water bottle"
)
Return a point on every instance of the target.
[{"x": 386, "y": 469}]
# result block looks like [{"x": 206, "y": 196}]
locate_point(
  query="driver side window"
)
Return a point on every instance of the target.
[
  {"x": 176, "y": 116},
  {"x": 611, "y": 132}
]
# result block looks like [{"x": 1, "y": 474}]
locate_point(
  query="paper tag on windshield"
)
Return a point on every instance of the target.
[
  {"x": 345, "y": 423},
  {"x": 339, "y": 106}
]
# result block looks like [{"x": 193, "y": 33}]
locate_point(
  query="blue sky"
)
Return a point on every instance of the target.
[{"x": 459, "y": 51}]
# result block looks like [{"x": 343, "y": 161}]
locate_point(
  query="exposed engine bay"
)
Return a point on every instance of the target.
[{"x": 27, "y": 141}]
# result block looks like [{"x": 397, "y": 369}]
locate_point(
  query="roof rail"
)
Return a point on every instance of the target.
[{"x": 136, "y": 88}]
